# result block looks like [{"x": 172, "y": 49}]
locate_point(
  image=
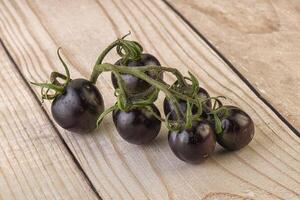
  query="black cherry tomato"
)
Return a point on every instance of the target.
[
  {"x": 195, "y": 144},
  {"x": 78, "y": 107},
  {"x": 137, "y": 126},
  {"x": 238, "y": 129}
]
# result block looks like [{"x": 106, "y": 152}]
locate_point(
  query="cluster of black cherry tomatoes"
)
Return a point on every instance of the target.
[{"x": 195, "y": 120}]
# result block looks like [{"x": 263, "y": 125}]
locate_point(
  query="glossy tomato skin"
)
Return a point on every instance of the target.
[
  {"x": 238, "y": 129},
  {"x": 132, "y": 84},
  {"x": 168, "y": 108},
  {"x": 138, "y": 126},
  {"x": 78, "y": 107},
  {"x": 193, "y": 145}
]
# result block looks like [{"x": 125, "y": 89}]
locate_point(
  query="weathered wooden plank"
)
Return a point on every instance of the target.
[
  {"x": 34, "y": 163},
  {"x": 267, "y": 169},
  {"x": 261, "y": 39}
]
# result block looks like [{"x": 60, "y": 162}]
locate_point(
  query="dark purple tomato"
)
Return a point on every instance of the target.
[
  {"x": 137, "y": 126},
  {"x": 168, "y": 107},
  {"x": 195, "y": 144},
  {"x": 238, "y": 129},
  {"x": 132, "y": 84},
  {"x": 78, "y": 107}
]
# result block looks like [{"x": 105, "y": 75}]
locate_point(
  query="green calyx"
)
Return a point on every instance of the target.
[
  {"x": 217, "y": 113},
  {"x": 50, "y": 90}
]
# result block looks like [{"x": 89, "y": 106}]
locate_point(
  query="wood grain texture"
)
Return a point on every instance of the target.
[
  {"x": 34, "y": 163},
  {"x": 267, "y": 169},
  {"x": 261, "y": 39}
]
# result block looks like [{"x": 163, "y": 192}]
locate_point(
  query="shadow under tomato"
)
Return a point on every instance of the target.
[
  {"x": 219, "y": 151},
  {"x": 160, "y": 141}
]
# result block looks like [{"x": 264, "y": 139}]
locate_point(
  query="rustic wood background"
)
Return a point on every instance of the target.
[{"x": 246, "y": 50}]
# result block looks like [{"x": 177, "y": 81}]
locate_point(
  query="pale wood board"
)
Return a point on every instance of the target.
[
  {"x": 267, "y": 169},
  {"x": 34, "y": 163},
  {"x": 261, "y": 39}
]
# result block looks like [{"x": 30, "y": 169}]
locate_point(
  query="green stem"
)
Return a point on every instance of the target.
[
  {"x": 106, "y": 51},
  {"x": 122, "y": 97},
  {"x": 144, "y": 102},
  {"x": 174, "y": 71},
  {"x": 101, "y": 117},
  {"x": 55, "y": 75},
  {"x": 50, "y": 86},
  {"x": 65, "y": 66},
  {"x": 139, "y": 72},
  {"x": 155, "y": 114},
  {"x": 100, "y": 59}
]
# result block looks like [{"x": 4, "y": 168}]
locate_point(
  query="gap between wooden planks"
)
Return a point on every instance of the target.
[
  {"x": 267, "y": 169},
  {"x": 34, "y": 163},
  {"x": 261, "y": 39}
]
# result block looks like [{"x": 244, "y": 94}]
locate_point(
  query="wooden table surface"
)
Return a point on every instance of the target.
[{"x": 248, "y": 51}]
